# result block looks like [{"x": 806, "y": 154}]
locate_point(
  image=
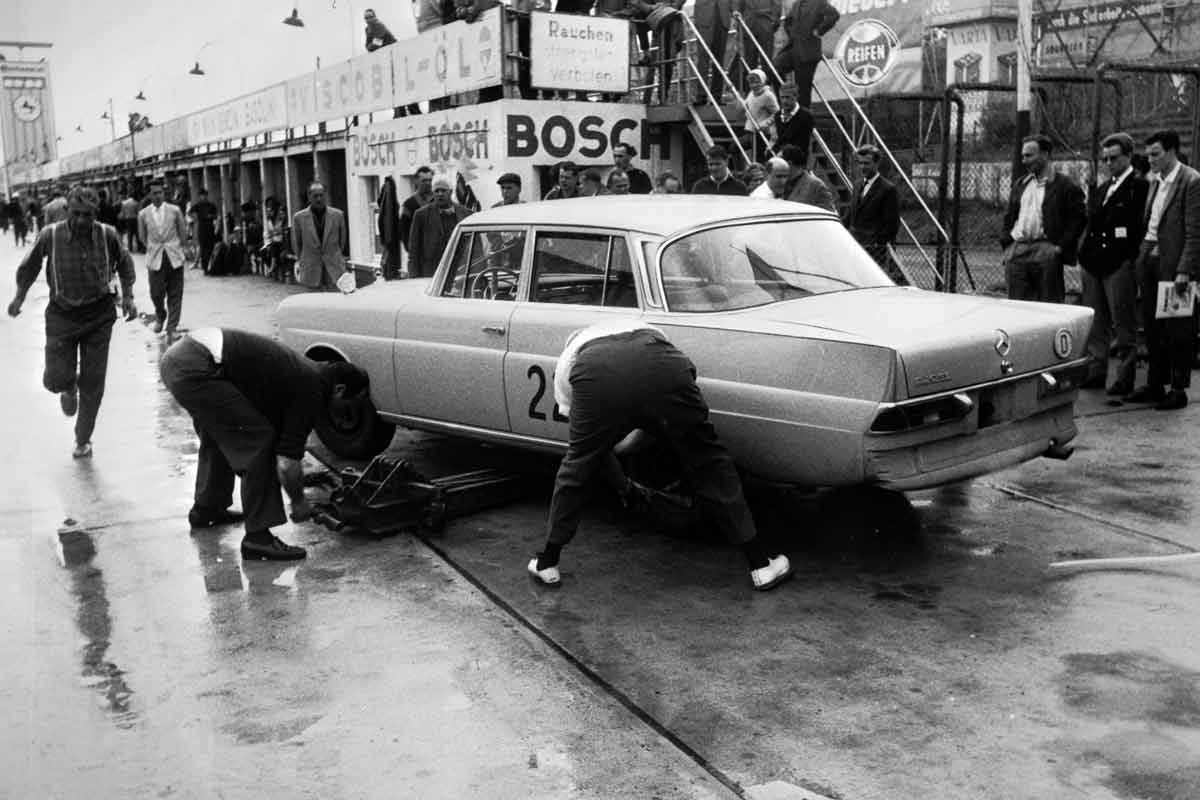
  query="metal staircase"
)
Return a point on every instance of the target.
[{"x": 833, "y": 145}]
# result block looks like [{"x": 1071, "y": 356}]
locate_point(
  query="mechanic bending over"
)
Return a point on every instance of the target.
[
  {"x": 619, "y": 376},
  {"x": 253, "y": 402}
]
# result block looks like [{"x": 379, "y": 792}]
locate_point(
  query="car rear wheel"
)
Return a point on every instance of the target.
[{"x": 351, "y": 428}]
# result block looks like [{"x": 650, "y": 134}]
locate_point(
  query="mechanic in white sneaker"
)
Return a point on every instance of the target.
[{"x": 616, "y": 377}]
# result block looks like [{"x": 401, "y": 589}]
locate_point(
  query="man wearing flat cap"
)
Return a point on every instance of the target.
[
  {"x": 510, "y": 189},
  {"x": 432, "y": 227}
]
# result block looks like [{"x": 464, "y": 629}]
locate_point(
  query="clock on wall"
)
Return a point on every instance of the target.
[{"x": 27, "y": 108}]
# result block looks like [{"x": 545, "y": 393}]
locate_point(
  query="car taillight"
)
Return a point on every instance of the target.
[
  {"x": 1062, "y": 381},
  {"x": 919, "y": 415}
]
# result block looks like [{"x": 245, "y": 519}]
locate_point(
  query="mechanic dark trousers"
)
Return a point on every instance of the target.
[
  {"x": 235, "y": 438},
  {"x": 77, "y": 357},
  {"x": 166, "y": 293},
  {"x": 635, "y": 380},
  {"x": 1171, "y": 342}
]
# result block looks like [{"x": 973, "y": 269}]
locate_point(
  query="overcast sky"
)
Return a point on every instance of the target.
[{"x": 112, "y": 48}]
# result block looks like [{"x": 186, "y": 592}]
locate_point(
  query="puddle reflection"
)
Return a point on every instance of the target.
[{"x": 77, "y": 551}]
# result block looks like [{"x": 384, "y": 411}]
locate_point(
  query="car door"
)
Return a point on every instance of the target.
[
  {"x": 450, "y": 349},
  {"x": 574, "y": 279}
]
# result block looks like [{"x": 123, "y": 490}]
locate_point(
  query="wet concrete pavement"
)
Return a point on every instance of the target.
[{"x": 924, "y": 649}]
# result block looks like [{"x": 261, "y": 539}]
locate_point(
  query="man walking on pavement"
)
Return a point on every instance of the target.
[
  {"x": 431, "y": 230},
  {"x": 319, "y": 241},
  {"x": 874, "y": 214},
  {"x": 1170, "y": 253},
  {"x": 1116, "y": 225},
  {"x": 205, "y": 214},
  {"x": 84, "y": 256},
  {"x": 253, "y": 402},
  {"x": 805, "y": 24},
  {"x": 617, "y": 377},
  {"x": 1041, "y": 231},
  {"x": 161, "y": 227}
]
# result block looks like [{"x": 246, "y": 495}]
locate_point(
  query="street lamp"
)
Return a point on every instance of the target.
[
  {"x": 112, "y": 120},
  {"x": 195, "y": 70}
]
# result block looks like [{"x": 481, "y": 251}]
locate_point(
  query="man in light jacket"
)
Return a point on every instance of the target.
[
  {"x": 319, "y": 241},
  {"x": 163, "y": 230}
]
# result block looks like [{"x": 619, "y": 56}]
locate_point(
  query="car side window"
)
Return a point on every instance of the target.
[
  {"x": 620, "y": 290},
  {"x": 582, "y": 269},
  {"x": 486, "y": 265}
]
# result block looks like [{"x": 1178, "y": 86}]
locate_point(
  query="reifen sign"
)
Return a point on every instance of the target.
[{"x": 867, "y": 52}]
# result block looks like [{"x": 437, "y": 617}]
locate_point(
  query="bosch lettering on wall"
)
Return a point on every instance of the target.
[
  {"x": 372, "y": 151},
  {"x": 867, "y": 52},
  {"x": 587, "y": 131},
  {"x": 456, "y": 140}
]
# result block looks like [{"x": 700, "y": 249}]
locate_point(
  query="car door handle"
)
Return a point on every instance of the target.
[{"x": 496, "y": 329}]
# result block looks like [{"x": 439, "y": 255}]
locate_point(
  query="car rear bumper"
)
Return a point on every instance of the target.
[{"x": 929, "y": 464}]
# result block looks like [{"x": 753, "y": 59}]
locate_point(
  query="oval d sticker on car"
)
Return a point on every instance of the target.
[{"x": 1063, "y": 343}]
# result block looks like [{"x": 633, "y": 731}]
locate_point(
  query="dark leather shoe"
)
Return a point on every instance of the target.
[
  {"x": 1093, "y": 382},
  {"x": 1176, "y": 398},
  {"x": 1119, "y": 390},
  {"x": 69, "y": 401},
  {"x": 1145, "y": 394},
  {"x": 208, "y": 517},
  {"x": 274, "y": 550}
]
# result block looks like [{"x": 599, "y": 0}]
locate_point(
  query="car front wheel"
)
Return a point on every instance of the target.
[{"x": 351, "y": 428}]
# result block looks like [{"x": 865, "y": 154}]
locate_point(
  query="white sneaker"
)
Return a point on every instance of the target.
[
  {"x": 774, "y": 573},
  {"x": 547, "y": 577}
]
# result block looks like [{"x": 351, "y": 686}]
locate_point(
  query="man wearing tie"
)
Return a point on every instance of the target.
[
  {"x": 163, "y": 231},
  {"x": 1116, "y": 224},
  {"x": 1045, "y": 217},
  {"x": 319, "y": 241},
  {"x": 1170, "y": 252},
  {"x": 874, "y": 214}
]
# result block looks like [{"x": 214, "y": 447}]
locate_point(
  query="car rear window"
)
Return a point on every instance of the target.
[{"x": 754, "y": 264}]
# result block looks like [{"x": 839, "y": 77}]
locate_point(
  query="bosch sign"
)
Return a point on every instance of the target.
[{"x": 867, "y": 52}]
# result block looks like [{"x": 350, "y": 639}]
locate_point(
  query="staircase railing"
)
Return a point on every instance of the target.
[
  {"x": 745, "y": 35},
  {"x": 899, "y": 170},
  {"x": 728, "y": 82}
]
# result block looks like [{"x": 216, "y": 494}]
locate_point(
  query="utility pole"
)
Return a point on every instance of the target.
[{"x": 1024, "y": 80}]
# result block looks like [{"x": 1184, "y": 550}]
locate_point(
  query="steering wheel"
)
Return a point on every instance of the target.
[{"x": 492, "y": 282}]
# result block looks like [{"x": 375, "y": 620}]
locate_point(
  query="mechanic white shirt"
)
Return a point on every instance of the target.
[
  {"x": 211, "y": 339},
  {"x": 1165, "y": 182},
  {"x": 562, "y": 371}
]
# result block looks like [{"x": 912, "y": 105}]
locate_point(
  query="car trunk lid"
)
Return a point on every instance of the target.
[{"x": 945, "y": 341}]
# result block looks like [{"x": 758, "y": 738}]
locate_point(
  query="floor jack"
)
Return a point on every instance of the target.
[{"x": 390, "y": 496}]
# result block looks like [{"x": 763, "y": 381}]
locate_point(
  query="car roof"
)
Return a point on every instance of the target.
[{"x": 661, "y": 214}]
